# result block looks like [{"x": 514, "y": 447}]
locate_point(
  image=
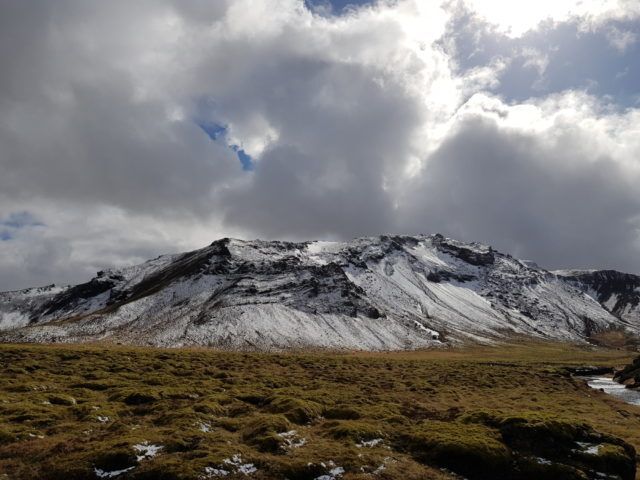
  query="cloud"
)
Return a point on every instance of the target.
[
  {"x": 556, "y": 56},
  {"x": 545, "y": 182},
  {"x": 517, "y": 18},
  {"x": 621, "y": 40},
  {"x": 124, "y": 128}
]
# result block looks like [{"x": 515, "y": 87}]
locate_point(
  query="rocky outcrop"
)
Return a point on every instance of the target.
[
  {"x": 618, "y": 292},
  {"x": 629, "y": 375}
]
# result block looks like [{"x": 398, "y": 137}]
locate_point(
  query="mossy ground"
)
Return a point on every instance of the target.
[{"x": 67, "y": 410}]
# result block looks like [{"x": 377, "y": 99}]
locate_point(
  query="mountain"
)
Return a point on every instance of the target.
[{"x": 374, "y": 293}]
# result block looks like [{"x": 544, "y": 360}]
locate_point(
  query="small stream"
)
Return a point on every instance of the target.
[{"x": 614, "y": 388}]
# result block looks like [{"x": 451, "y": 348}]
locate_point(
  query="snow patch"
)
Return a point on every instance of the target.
[
  {"x": 234, "y": 464},
  {"x": 588, "y": 448},
  {"x": 333, "y": 474},
  {"x": 370, "y": 443},
  {"x": 111, "y": 474},
  {"x": 146, "y": 450},
  {"x": 291, "y": 440}
]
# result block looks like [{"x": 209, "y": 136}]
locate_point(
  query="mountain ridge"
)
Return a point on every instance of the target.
[{"x": 388, "y": 292}]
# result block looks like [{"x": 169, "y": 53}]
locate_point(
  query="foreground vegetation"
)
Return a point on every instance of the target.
[{"x": 84, "y": 412}]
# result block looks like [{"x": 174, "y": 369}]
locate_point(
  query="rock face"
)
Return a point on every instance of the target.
[
  {"x": 375, "y": 293},
  {"x": 629, "y": 375},
  {"x": 618, "y": 292}
]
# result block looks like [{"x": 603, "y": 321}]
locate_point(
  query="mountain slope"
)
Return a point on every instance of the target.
[
  {"x": 371, "y": 293},
  {"x": 618, "y": 292}
]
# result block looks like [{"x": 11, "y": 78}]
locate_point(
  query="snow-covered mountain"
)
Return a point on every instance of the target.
[{"x": 387, "y": 292}]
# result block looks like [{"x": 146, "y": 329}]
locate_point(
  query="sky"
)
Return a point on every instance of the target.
[{"x": 134, "y": 129}]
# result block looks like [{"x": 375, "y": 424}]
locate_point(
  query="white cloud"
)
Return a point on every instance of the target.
[
  {"x": 620, "y": 39},
  {"x": 516, "y": 18}
]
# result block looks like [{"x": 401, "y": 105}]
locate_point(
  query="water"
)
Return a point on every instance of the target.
[{"x": 615, "y": 389}]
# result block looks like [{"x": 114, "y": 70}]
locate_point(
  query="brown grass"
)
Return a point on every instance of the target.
[{"x": 65, "y": 410}]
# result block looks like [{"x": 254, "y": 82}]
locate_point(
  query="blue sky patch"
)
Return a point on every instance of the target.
[
  {"x": 214, "y": 130},
  {"x": 218, "y": 133},
  {"x": 335, "y": 7},
  {"x": 15, "y": 221},
  {"x": 554, "y": 58},
  {"x": 245, "y": 159},
  {"x": 20, "y": 219}
]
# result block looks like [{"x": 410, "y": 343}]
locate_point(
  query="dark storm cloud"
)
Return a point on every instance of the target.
[
  {"x": 74, "y": 124},
  {"x": 548, "y": 201}
]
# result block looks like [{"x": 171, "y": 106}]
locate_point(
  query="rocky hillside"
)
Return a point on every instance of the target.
[
  {"x": 618, "y": 292},
  {"x": 387, "y": 292}
]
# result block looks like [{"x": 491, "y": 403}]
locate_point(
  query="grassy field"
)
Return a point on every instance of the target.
[{"x": 84, "y": 412}]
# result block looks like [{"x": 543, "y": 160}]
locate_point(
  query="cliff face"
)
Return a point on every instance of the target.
[
  {"x": 618, "y": 292},
  {"x": 387, "y": 292}
]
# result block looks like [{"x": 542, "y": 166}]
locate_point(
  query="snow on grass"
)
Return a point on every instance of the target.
[
  {"x": 333, "y": 474},
  {"x": 204, "y": 427},
  {"x": 231, "y": 465},
  {"x": 383, "y": 465},
  {"x": 210, "y": 472},
  {"x": 291, "y": 440},
  {"x": 370, "y": 443},
  {"x": 112, "y": 474},
  {"x": 146, "y": 450}
]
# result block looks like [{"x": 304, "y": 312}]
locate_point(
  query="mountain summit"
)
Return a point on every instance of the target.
[{"x": 373, "y": 293}]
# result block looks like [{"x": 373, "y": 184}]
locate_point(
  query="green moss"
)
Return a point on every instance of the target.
[
  {"x": 300, "y": 470},
  {"x": 116, "y": 459},
  {"x": 68, "y": 472},
  {"x": 342, "y": 413},
  {"x": 613, "y": 458},
  {"x": 357, "y": 431},
  {"x": 485, "y": 418},
  {"x": 535, "y": 468},
  {"x": 84, "y": 412},
  {"x": 139, "y": 397},
  {"x": 61, "y": 400},
  {"x": 543, "y": 436},
  {"x": 183, "y": 443},
  {"x": 25, "y": 412},
  {"x": 608, "y": 452},
  {"x": 94, "y": 386},
  {"x": 473, "y": 450},
  {"x": 209, "y": 408},
  {"x": 295, "y": 409},
  {"x": 254, "y": 398},
  {"x": 177, "y": 418},
  {"x": 175, "y": 393},
  {"x": 6, "y": 437},
  {"x": 262, "y": 432}
]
